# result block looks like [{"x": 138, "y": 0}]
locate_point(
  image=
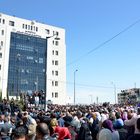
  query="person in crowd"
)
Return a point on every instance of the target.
[
  {"x": 63, "y": 132},
  {"x": 108, "y": 125},
  {"x": 94, "y": 125},
  {"x": 68, "y": 123},
  {"x": 43, "y": 133},
  {"x": 105, "y": 134},
  {"x": 6, "y": 129},
  {"x": 27, "y": 119},
  {"x": 61, "y": 120},
  {"x": 19, "y": 133},
  {"x": 119, "y": 126},
  {"x": 31, "y": 132},
  {"x": 136, "y": 136},
  {"x": 133, "y": 120},
  {"x": 84, "y": 132}
]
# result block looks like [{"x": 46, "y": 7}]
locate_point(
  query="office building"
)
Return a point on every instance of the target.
[{"x": 32, "y": 58}]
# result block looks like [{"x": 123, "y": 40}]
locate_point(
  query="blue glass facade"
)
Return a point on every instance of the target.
[{"x": 27, "y": 64}]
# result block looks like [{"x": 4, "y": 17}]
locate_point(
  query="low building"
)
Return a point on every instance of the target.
[{"x": 129, "y": 96}]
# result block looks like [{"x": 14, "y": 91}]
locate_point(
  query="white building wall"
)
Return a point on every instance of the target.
[{"x": 42, "y": 32}]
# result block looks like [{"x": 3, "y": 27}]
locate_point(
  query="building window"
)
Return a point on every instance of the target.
[
  {"x": 56, "y": 62},
  {"x": 0, "y": 20},
  {"x": 56, "y": 73},
  {"x": 36, "y": 28},
  {"x": 52, "y": 72},
  {"x": 1, "y": 43},
  {"x": 56, "y": 43},
  {"x": 0, "y": 55},
  {"x": 57, "y": 33},
  {"x": 56, "y": 83},
  {"x": 36, "y": 73},
  {"x": 52, "y": 62},
  {"x": 56, "y": 52},
  {"x": 2, "y": 32},
  {"x": 0, "y": 67},
  {"x": 31, "y": 27},
  {"x": 53, "y": 52},
  {"x": 56, "y": 94},
  {"x": 11, "y": 23},
  {"x": 23, "y": 26},
  {"x": 3, "y": 21},
  {"x": 47, "y": 31},
  {"x": 52, "y": 94},
  {"x": 26, "y": 26},
  {"x": 52, "y": 83}
]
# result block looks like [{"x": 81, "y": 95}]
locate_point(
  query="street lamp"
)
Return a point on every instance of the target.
[
  {"x": 91, "y": 99},
  {"x": 74, "y": 84},
  {"x": 114, "y": 86}
]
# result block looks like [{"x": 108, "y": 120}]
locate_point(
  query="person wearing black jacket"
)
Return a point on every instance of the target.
[{"x": 42, "y": 132}]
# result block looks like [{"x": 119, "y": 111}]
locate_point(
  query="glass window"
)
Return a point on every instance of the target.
[
  {"x": 0, "y": 55},
  {"x": 52, "y": 94},
  {"x": 47, "y": 31},
  {"x": 3, "y": 21},
  {"x": 56, "y": 43},
  {"x": 24, "y": 70},
  {"x": 56, "y": 73},
  {"x": 52, "y": 72},
  {"x": 2, "y": 32},
  {"x": 52, "y": 62},
  {"x": 56, "y": 52},
  {"x": 57, "y": 33},
  {"x": 36, "y": 28},
  {"x": 56, "y": 83},
  {"x": 53, "y": 52},
  {"x": 56, "y": 94},
  {"x": 26, "y": 26},
  {"x": 11, "y": 23},
  {"x": 23, "y": 26},
  {"x": 56, "y": 62},
  {"x": 0, "y": 20},
  {"x": 0, "y": 67},
  {"x": 1, "y": 43},
  {"x": 52, "y": 83},
  {"x": 53, "y": 32}
]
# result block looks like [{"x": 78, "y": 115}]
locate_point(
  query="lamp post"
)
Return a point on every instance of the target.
[
  {"x": 91, "y": 99},
  {"x": 114, "y": 86},
  {"x": 74, "y": 84}
]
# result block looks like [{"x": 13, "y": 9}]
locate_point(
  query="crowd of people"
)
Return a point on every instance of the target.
[{"x": 69, "y": 122}]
